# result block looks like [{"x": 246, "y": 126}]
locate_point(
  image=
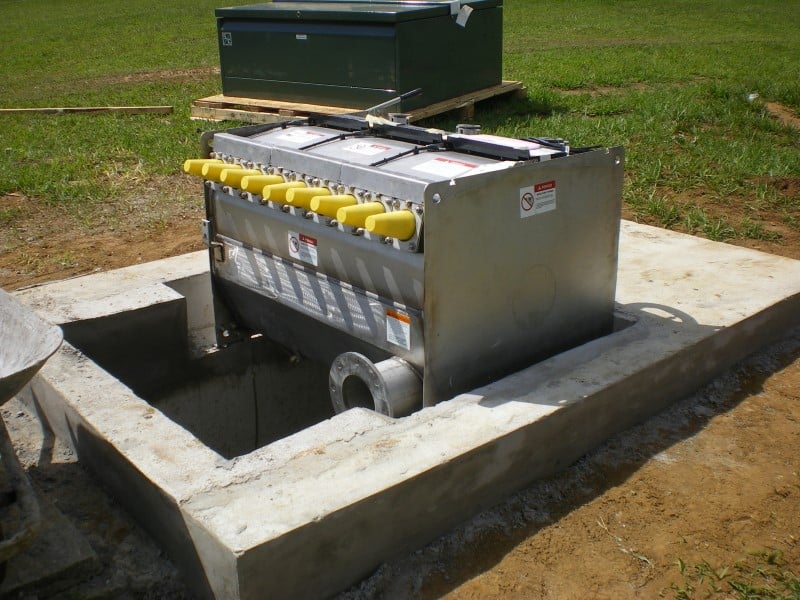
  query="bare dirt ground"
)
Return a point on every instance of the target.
[
  {"x": 704, "y": 497},
  {"x": 46, "y": 243}
]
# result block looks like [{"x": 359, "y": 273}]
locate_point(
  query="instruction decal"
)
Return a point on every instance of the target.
[
  {"x": 303, "y": 248},
  {"x": 537, "y": 199},
  {"x": 445, "y": 167},
  {"x": 367, "y": 149},
  {"x": 398, "y": 328},
  {"x": 301, "y": 136}
]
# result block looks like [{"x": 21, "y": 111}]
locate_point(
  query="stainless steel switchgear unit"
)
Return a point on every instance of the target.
[{"x": 418, "y": 263}]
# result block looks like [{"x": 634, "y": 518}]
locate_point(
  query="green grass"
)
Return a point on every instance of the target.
[
  {"x": 78, "y": 54},
  {"x": 761, "y": 575},
  {"x": 667, "y": 80}
]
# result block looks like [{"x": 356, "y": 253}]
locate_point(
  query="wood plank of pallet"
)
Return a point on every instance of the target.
[
  {"x": 256, "y": 110},
  {"x": 259, "y": 103},
  {"x": 233, "y": 114},
  {"x": 130, "y": 110},
  {"x": 466, "y": 100}
]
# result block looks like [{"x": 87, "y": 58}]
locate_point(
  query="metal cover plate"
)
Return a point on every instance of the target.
[{"x": 335, "y": 11}]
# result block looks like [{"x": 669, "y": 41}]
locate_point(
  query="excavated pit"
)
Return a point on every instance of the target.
[{"x": 234, "y": 399}]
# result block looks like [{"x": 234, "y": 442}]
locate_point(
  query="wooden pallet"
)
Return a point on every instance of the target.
[{"x": 254, "y": 110}]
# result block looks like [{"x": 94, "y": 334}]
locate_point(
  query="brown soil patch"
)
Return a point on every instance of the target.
[
  {"x": 783, "y": 113},
  {"x": 162, "y": 75},
  {"x": 44, "y": 243},
  {"x": 602, "y": 90}
]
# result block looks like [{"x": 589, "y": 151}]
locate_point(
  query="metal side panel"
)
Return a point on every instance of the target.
[
  {"x": 520, "y": 264},
  {"x": 379, "y": 322},
  {"x": 366, "y": 264},
  {"x": 246, "y": 149}
]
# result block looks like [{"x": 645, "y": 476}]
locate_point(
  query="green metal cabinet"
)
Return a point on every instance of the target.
[{"x": 358, "y": 54}]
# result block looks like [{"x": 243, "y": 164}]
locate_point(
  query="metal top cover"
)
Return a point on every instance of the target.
[{"x": 387, "y": 11}]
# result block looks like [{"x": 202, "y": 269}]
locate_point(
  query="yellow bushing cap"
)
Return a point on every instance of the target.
[
  {"x": 194, "y": 166},
  {"x": 356, "y": 215},
  {"x": 233, "y": 177},
  {"x": 302, "y": 196},
  {"x": 255, "y": 183},
  {"x": 277, "y": 191},
  {"x": 330, "y": 205},
  {"x": 213, "y": 171},
  {"x": 399, "y": 224}
]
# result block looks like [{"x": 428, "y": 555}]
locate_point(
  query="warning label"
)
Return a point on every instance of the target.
[
  {"x": 303, "y": 248},
  {"x": 301, "y": 136},
  {"x": 398, "y": 328},
  {"x": 367, "y": 149},
  {"x": 537, "y": 199},
  {"x": 445, "y": 167}
]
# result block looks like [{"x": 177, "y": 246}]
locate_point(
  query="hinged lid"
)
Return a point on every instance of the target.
[{"x": 348, "y": 10}]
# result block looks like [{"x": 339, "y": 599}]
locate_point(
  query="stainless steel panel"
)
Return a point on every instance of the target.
[
  {"x": 367, "y": 264},
  {"x": 387, "y": 325},
  {"x": 504, "y": 286},
  {"x": 437, "y": 166},
  {"x": 362, "y": 150},
  {"x": 295, "y": 137}
]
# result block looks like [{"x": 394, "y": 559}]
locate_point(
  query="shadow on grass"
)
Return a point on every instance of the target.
[{"x": 498, "y": 111}]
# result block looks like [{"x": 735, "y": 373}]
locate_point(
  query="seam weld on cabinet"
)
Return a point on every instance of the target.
[
  {"x": 511, "y": 256},
  {"x": 360, "y": 54}
]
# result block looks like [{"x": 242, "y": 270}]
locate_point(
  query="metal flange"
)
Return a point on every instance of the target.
[{"x": 391, "y": 387}]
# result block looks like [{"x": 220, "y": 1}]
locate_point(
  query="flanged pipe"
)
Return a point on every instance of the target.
[{"x": 391, "y": 387}]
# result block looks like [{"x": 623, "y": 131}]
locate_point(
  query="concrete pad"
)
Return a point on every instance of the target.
[{"x": 313, "y": 512}]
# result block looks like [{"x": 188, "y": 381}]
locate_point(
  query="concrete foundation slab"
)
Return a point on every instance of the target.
[{"x": 293, "y": 501}]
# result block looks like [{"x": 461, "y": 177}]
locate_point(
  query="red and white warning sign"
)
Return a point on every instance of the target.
[
  {"x": 301, "y": 136},
  {"x": 444, "y": 167},
  {"x": 367, "y": 149},
  {"x": 537, "y": 199},
  {"x": 398, "y": 328},
  {"x": 303, "y": 248}
]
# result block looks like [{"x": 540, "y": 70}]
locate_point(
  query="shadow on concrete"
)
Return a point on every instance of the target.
[{"x": 543, "y": 381}]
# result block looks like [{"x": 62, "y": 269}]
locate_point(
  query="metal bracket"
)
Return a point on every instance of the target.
[{"x": 208, "y": 239}]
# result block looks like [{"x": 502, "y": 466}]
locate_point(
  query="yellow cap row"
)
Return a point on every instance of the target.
[{"x": 399, "y": 224}]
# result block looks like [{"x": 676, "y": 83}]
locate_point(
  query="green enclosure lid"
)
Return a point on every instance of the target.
[{"x": 350, "y": 10}]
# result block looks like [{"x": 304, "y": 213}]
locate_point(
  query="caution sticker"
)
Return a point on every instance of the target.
[
  {"x": 398, "y": 328},
  {"x": 445, "y": 167},
  {"x": 537, "y": 199},
  {"x": 301, "y": 136},
  {"x": 367, "y": 149},
  {"x": 303, "y": 248}
]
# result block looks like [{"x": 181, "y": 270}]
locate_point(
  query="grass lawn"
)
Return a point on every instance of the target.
[{"x": 689, "y": 87}]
